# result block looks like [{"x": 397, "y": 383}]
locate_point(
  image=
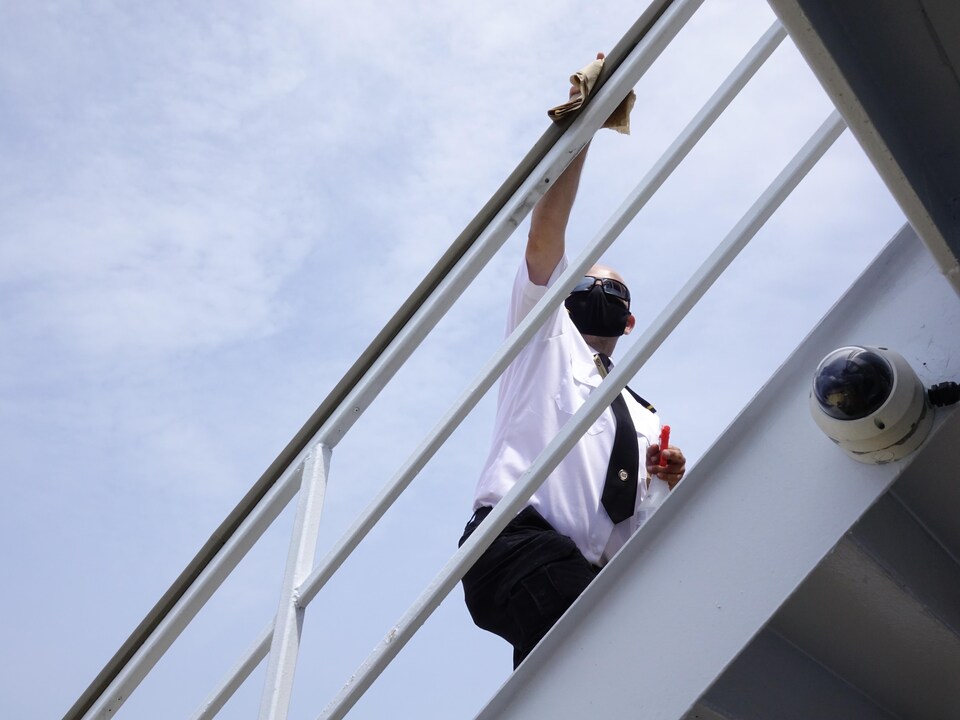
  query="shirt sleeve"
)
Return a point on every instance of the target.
[{"x": 526, "y": 294}]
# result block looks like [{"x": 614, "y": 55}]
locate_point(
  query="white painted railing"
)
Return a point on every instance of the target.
[{"x": 306, "y": 474}]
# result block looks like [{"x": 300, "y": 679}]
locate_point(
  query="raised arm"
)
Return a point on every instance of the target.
[{"x": 548, "y": 224}]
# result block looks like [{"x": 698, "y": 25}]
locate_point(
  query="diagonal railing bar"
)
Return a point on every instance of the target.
[
  {"x": 674, "y": 155},
  {"x": 508, "y": 350},
  {"x": 514, "y": 211},
  {"x": 195, "y": 596},
  {"x": 240, "y": 672},
  {"x": 280, "y": 671},
  {"x": 285, "y": 639},
  {"x": 597, "y": 402},
  {"x": 293, "y": 453},
  {"x": 263, "y": 503}
]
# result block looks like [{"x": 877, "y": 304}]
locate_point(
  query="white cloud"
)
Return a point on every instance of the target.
[
  {"x": 208, "y": 210},
  {"x": 173, "y": 208}
]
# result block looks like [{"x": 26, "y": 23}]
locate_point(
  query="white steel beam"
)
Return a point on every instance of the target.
[
  {"x": 648, "y": 186},
  {"x": 772, "y": 678},
  {"x": 186, "y": 608},
  {"x": 893, "y": 537},
  {"x": 508, "y": 350},
  {"x": 744, "y": 528},
  {"x": 598, "y": 401},
  {"x": 825, "y": 67},
  {"x": 590, "y": 119},
  {"x": 234, "y": 679},
  {"x": 285, "y": 644},
  {"x": 404, "y": 344},
  {"x": 882, "y": 610}
]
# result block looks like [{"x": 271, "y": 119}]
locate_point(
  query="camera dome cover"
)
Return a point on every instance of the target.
[{"x": 852, "y": 383}]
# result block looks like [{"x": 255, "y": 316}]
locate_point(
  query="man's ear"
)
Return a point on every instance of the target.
[{"x": 631, "y": 322}]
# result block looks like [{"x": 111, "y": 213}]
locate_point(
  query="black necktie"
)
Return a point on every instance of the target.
[{"x": 620, "y": 488}]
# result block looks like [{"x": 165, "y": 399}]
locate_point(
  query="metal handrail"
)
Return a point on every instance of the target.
[
  {"x": 513, "y": 501},
  {"x": 651, "y": 182},
  {"x": 647, "y": 187},
  {"x": 285, "y": 641},
  {"x": 512, "y": 345},
  {"x": 273, "y": 490},
  {"x": 306, "y": 458}
]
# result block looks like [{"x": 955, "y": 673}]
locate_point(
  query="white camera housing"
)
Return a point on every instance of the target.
[{"x": 871, "y": 403}]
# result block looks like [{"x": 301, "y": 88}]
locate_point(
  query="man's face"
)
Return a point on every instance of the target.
[
  {"x": 610, "y": 281},
  {"x": 600, "y": 306}
]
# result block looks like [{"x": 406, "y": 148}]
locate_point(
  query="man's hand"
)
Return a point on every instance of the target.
[
  {"x": 675, "y": 468},
  {"x": 546, "y": 242},
  {"x": 574, "y": 88}
]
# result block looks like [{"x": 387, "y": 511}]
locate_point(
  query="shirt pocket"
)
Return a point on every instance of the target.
[{"x": 572, "y": 393}]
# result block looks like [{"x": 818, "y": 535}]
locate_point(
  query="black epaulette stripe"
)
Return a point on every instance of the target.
[{"x": 640, "y": 400}]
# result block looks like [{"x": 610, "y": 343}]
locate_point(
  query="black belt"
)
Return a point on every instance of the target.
[{"x": 479, "y": 515}]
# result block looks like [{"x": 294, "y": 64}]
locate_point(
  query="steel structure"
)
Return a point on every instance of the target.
[{"x": 301, "y": 470}]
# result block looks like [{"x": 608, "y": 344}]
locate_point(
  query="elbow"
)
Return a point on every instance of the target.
[{"x": 542, "y": 258}]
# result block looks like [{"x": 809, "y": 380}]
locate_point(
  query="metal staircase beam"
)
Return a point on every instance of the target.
[
  {"x": 771, "y": 678},
  {"x": 250, "y": 510},
  {"x": 645, "y": 189},
  {"x": 892, "y": 68},
  {"x": 743, "y": 530},
  {"x": 882, "y": 610}
]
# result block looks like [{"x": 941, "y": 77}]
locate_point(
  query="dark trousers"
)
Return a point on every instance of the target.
[{"x": 525, "y": 580}]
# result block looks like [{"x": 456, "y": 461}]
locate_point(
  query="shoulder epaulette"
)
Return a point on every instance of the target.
[{"x": 640, "y": 400}]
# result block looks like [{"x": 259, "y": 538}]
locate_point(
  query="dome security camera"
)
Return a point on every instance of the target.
[{"x": 871, "y": 403}]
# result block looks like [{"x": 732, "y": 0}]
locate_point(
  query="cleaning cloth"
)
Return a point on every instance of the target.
[{"x": 584, "y": 80}]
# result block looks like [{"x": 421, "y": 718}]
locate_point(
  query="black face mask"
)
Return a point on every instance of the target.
[{"x": 596, "y": 313}]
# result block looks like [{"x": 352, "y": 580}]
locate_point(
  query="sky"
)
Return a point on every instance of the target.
[{"x": 207, "y": 212}]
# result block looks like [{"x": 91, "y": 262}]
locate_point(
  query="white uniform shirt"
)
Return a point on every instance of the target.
[{"x": 545, "y": 385}]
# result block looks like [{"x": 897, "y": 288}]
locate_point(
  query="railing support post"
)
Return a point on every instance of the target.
[{"x": 285, "y": 644}]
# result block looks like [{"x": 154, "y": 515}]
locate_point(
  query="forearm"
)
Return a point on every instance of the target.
[{"x": 548, "y": 224}]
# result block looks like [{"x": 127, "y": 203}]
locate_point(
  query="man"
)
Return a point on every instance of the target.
[{"x": 590, "y": 505}]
